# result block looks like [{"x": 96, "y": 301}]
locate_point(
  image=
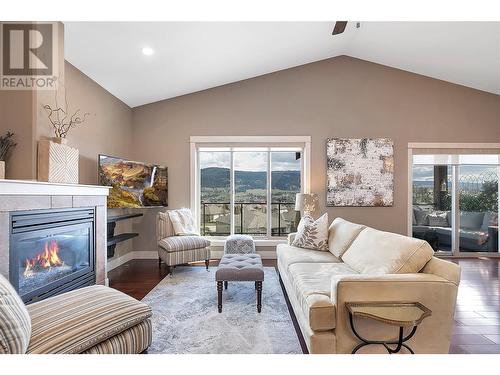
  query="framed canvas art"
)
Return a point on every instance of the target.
[{"x": 360, "y": 172}]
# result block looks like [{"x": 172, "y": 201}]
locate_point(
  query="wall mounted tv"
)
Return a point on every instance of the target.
[{"x": 134, "y": 184}]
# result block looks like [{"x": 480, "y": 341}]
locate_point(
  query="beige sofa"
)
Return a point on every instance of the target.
[{"x": 364, "y": 264}]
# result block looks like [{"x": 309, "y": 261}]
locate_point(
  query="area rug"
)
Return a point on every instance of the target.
[{"x": 185, "y": 318}]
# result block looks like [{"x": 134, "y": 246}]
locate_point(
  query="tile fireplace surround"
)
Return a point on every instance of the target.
[{"x": 20, "y": 195}]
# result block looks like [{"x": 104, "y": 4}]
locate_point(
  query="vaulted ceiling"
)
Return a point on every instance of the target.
[{"x": 191, "y": 56}]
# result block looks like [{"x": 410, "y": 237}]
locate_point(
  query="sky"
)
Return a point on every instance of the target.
[{"x": 250, "y": 161}]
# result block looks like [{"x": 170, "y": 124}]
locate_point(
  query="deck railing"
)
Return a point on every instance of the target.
[{"x": 283, "y": 227}]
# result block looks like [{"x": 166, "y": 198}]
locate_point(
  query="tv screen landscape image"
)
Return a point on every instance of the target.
[{"x": 134, "y": 184}]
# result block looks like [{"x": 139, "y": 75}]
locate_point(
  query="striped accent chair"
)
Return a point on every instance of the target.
[
  {"x": 176, "y": 250},
  {"x": 94, "y": 319}
]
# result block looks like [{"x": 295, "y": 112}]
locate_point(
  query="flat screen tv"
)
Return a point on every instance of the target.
[{"x": 134, "y": 184}]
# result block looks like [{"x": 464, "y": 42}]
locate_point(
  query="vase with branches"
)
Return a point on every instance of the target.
[{"x": 62, "y": 121}]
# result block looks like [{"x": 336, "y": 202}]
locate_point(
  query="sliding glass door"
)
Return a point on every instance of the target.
[
  {"x": 455, "y": 202},
  {"x": 478, "y": 203}
]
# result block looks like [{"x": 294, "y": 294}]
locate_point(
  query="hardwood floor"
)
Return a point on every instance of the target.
[{"x": 477, "y": 316}]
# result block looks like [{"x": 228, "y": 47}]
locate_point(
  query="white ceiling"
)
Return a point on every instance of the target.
[{"x": 195, "y": 56}]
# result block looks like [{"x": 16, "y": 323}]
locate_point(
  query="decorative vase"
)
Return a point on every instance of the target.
[
  {"x": 2, "y": 169},
  {"x": 57, "y": 162}
]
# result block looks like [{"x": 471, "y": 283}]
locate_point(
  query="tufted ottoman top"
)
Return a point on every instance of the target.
[{"x": 240, "y": 267}]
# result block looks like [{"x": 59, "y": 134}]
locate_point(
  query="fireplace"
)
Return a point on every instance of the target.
[{"x": 51, "y": 251}]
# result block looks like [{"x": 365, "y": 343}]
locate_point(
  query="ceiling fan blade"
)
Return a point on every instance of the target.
[{"x": 339, "y": 27}]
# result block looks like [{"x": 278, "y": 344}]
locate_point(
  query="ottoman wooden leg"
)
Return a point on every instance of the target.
[
  {"x": 225, "y": 284},
  {"x": 207, "y": 262},
  {"x": 258, "y": 285},
  {"x": 219, "y": 296}
]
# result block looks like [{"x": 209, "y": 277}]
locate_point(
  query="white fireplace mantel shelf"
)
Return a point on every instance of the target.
[{"x": 28, "y": 187}]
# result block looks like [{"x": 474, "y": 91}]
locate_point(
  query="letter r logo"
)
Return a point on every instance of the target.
[{"x": 27, "y": 49}]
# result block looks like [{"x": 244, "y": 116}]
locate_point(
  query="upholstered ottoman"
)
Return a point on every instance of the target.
[
  {"x": 239, "y": 244},
  {"x": 240, "y": 267}
]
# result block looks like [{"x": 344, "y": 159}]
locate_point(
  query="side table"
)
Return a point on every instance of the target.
[{"x": 401, "y": 314}]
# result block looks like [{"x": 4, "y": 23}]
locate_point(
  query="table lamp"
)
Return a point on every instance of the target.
[{"x": 306, "y": 203}]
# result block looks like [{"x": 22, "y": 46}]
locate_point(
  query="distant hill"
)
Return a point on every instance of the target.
[{"x": 215, "y": 177}]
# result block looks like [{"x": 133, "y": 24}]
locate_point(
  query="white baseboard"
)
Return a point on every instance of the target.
[{"x": 214, "y": 254}]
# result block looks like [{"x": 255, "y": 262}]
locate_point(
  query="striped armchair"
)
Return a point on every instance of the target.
[
  {"x": 175, "y": 250},
  {"x": 94, "y": 320}
]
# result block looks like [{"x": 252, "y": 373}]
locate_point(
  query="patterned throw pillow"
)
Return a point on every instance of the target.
[
  {"x": 438, "y": 219},
  {"x": 312, "y": 234}
]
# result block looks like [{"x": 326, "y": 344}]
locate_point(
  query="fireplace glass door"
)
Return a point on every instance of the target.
[{"x": 48, "y": 257}]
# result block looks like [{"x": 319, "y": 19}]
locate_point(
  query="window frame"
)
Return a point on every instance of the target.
[
  {"x": 231, "y": 142},
  {"x": 454, "y": 162}
]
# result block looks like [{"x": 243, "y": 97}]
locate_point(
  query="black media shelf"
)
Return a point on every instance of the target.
[{"x": 114, "y": 239}]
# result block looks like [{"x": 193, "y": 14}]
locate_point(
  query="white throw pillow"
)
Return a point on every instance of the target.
[
  {"x": 183, "y": 222},
  {"x": 312, "y": 234},
  {"x": 341, "y": 234}
]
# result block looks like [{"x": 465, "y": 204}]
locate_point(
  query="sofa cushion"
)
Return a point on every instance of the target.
[
  {"x": 288, "y": 255},
  {"x": 490, "y": 219},
  {"x": 312, "y": 234},
  {"x": 438, "y": 219},
  {"x": 341, "y": 234},
  {"x": 471, "y": 220},
  {"x": 312, "y": 287},
  {"x": 421, "y": 216},
  {"x": 181, "y": 243},
  {"x": 75, "y": 321},
  {"x": 15, "y": 322},
  {"x": 378, "y": 252}
]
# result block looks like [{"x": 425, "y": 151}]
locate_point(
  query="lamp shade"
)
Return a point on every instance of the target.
[{"x": 306, "y": 202}]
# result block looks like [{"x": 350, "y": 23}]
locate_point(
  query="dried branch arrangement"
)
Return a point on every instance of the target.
[
  {"x": 62, "y": 122},
  {"x": 6, "y": 144}
]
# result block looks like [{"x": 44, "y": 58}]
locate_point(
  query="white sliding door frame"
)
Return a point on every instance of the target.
[{"x": 455, "y": 245}]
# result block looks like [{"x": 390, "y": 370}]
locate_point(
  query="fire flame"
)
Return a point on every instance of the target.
[{"x": 45, "y": 259}]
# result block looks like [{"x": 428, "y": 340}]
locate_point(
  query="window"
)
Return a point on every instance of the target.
[
  {"x": 248, "y": 190},
  {"x": 455, "y": 201}
]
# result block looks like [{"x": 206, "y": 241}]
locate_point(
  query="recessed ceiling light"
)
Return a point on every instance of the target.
[{"x": 148, "y": 51}]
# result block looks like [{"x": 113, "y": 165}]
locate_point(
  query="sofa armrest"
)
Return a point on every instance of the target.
[
  {"x": 434, "y": 292},
  {"x": 291, "y": 237}
]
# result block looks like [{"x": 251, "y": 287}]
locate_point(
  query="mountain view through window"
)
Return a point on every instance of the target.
[{"x": 257, "y": 176}]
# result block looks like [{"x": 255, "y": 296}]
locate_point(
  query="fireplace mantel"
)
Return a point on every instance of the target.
[{"x": 28, "y": 187}]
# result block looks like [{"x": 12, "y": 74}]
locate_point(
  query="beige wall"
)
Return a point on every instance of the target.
[
  {"x": 16, "y": 115},
  {"x": 338, "y": 97},
  {"x": 107, "y": 130}
]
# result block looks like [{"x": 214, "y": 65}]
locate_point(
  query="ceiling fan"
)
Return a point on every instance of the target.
[{"x": 339, "y": 27}]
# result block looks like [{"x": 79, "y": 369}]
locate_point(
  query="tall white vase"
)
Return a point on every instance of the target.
[
  {"x": 57, "y": 162},
  {"x": 2, "y": 169}
]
